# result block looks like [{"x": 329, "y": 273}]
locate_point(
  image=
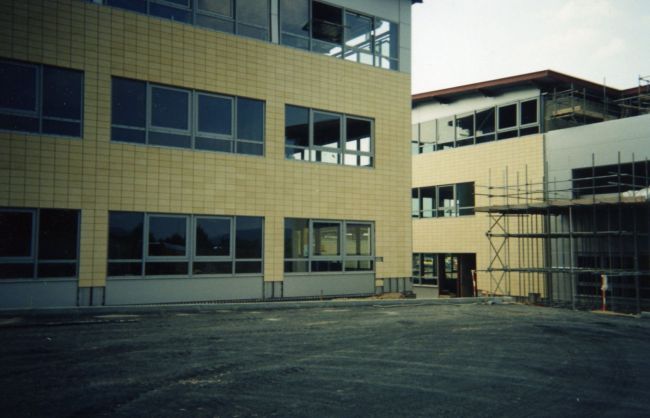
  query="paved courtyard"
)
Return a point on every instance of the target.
[{"x": 329, "y": 360}]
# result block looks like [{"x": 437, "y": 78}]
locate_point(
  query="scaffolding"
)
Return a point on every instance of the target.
[{"x": 573, "y": 243}]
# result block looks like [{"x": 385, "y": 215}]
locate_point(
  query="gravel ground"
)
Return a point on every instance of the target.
[{"x": 410, "y": 360}]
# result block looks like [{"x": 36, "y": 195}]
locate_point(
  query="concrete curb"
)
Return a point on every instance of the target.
[{"x": 248, "y": 306}]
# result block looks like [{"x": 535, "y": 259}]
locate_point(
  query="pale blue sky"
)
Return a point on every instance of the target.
[{"x": 458, "y": 42}]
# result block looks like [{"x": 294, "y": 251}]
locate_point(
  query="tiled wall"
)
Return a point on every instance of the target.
[{"x": 96, "y": 175}]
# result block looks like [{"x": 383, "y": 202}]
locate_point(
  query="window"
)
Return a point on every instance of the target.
[
  {"x": 313, "y": 135},
  {"x": 44, "y": 243},
  {"x": 41, "y": 99},
  {"x": 183, "y": 245},
  {"x": 152, "y": 114},
  {"x": 632, "y": 178},
  {"x": 327, "y": 246},
  {"x": 336, "y": 31},
  {"x": 425, "y": 269},
  {"x": 443, "y": 201},
  {"x": 244, "y": 17}
]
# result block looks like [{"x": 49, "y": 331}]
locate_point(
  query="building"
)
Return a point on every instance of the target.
[
  {"x": 161, "y": 151},
  {"x": 534, "y": 186}
]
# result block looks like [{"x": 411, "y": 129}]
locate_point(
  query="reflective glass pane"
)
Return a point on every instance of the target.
[
  {"x": 212, "y": 237},
  {"x": 296, "y": 126},
  {"x": 128, "y": 102},
  {"x": 465, "y": 127},
  {"x": 252, "y": 31},
  {"x": 428, "y": 136},
  {"x": 358, "y": 31},
  {"x": 172, "y": 13},
  {"x": 358, "y": 265},
  {"x": 427, "y": 201},
  {"x": 170, "y": 140},
  {"x": 57, "y": 270},
  {"x": 294, "y": 17},
  {"x": 323, "y": 266},
  {"x": 216, "y": 23},
  {"x": 296, "y": 154},
  {"x": 124, "y": 269},
  {"x": 416, "y": 265},
  {"x": 529, "y": 112},
  {"x": 508, "y": 116},
  {"x": 212, "y": 267},
  {"x": 485, "y": 121},
  {"x": 215, "y": 114},
  {"x": 62, "y": 92},
  {"x": 125, "y": 234},
  {"x": 222, "y": 7},
  {"x": 255, "y": 12},
  {"x": 327, "y": 130},
  {"x": 57, "y": 234},
  {"x": 326, "y": 240},
  {"x": 446, "y": 132},
  {"x": 248, "y": 237},
  {"x": 18, "y": 123},
  {"x": 169, "y": 108},
  {"x": 60, "y": 127},
  {"x": 386, "y": 38},
  {"x": 327, "y": 23},
  {"x": 135, "y": 136},
  {"x": 133, "y": 5},
  {"x": 446, "y": 202},
  {"x": 325, "y": 157},
  {"x": 250, "y": 119},
  {"x": 465, "y": 194},
  {"x": 213, "y": 144},
  {"x": 248, "y": 267},
  {"x": 295, "y": 41},
  {"x": 18, "y": 86},
  {"x": 358, "y": 133},
  {"x": 15, "y": 234},
  {"x": 296, "y": 266},
  {"x": 166, "y": 269},
  {"x": 415, "y": 203},
  {"x": 296, "y": 238},
  {"x": 249, "y": 148},
  {"x": 16, "y": 270},
  {"x": 358, "y": 239},
  {"x": 167, "y": 236}
]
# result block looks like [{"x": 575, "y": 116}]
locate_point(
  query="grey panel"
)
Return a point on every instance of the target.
[
  {"x": 329, "y": 284},
  {"x": 426, "y": 292},
  {"x": 38, "y": 294},
  {"x": 140, "y": 291}
]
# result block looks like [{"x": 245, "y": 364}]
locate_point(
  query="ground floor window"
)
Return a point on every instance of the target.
[
  {"x": 452, "y": 273},
  {"x": 425, "y": 268},
  {"x": 312, "y": 245},
  {"x": 153, "y": 244},
  {"x": 39, "y": 243}
]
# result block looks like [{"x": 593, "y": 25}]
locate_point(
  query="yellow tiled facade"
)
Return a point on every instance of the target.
[
  {"x": 96, "y": 175},
  {"x": 516, "y": 162}
]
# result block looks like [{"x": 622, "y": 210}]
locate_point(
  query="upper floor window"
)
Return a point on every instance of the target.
[
  {"x": 320, "y": 136},
  {"x": 41, "y": 99},
  {"x": 38, "y": 243},
  {"x": 335, "y": 31},
  {"x": 443, "y": 201},
  {"x": 168, "y": 245},
  {"x": 631, "y": 179},
  {"x": 154, "y": 114},
  {"x": 494, "y": 123},
  {"x": 243, "y": 17}
]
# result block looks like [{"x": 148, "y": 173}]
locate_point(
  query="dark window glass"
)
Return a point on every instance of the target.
[
  {"x": 170, "y": 140},
  {"x": 215, "y": 114},
  {"x": 507, "y": 134},
  {"x": 169, "y": 108},
  {"x": 57, "y": 234},
  {"x": 168, "y": 12},
  {"x": 250, "y": 119},
  {"x": 215, "y": 23},
  {"x": 248, "y": 238},
  {"x": 248, "y": 267},
  {"x": 327, "y": 22},
  {"x": 296, "y": 266},
  {"x": 294, "y": 15},
  {"x": 125, "y": 235},
  {"x": 529, "y": 112},
  {"x": 222, "y": 7},
  {"x": 17, "y": 271},
  {"x": 357, "y": 239},
  {"x": 57, "y": 269},
  {"x": 167, "y": 236},
  {"x": 62, "y": 93},
  {"x": 415, "y": 203},
  {"x": 212, "y": 237},
  {"x": 358, "y": 265},
  {"x": 213, "y": 144},
  {"x": 255, "y": 12},
  {"x": 212, "y": 267},
  {"x": 358, "y": 32},
  {"x": 465, "y": 127},
  {"x": 358, "y": 134},
  {"x": 318, "y": 266},
  {"x": 485, "y": 124},
  {"x": 327, "y": 238},
  {"x": 59, "y": 127},
  {"x": 295, "y": 41},
  {"x": 15, "y": 234},
  {"x": 124, "y": 269},
  {"x": 446, "y": 202},
  {"x": 529, "y": 131},
  {"x": 427, "y": 199},
  {"x": 296, "y": 126},
  {"x": 133, "y": 5},
  {"x": 18, "y": 123},
  {"x": 386, "y": 44},
  {"x": 296, "y": 238},
  {"x": 18, "y": 86},
  {"x": 164, "y": 269},
  {"x": 508, "y": 116},
  {"x": 465, "y": 197},
  {"x": 327, "y": 130},
  {"x": 250, "y": 148},
  {"x": 134, "y": 136},
  {"x": 129, "y": 100}
]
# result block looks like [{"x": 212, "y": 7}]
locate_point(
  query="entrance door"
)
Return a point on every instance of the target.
[{"x": 456, "y": 274}]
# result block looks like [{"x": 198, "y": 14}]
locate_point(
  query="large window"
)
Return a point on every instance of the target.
[
  {"x": 335, "y": 31},
  {"x": 425, "y": 269},
  {"x": 41, "y": 99},
  {"x": 629, "y": 178},
  {"x": 327, "y": 246},
  {"x": 314, "y": 135},
  {"x": 170, "y": 245},
  {"x": 38, "y": 243},
  {"x": 443, "y": 201},
  {"x": 495, "y": 123},
  {"x": 154, "y": 114},
  {"x": 243, "y": 17}
]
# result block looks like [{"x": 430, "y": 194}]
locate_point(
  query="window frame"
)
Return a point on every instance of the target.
[
  {"x": 438, "y": 211},
  {"x": 419, "y": 278}
]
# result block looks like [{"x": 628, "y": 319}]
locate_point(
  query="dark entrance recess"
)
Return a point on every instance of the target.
[{"x": 456, "y": 274}]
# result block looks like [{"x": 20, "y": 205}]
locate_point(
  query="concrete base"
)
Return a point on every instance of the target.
[
  {"x": 426, "y": 292},
  {"x": 328, "y": 285},
  {"x": 39, "y": 293}
]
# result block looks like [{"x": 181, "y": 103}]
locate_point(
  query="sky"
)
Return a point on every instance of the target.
[{"x": 457, "y": 42}]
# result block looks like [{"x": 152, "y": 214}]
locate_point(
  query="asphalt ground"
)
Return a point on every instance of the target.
[{"x": 326, "y": 360}]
